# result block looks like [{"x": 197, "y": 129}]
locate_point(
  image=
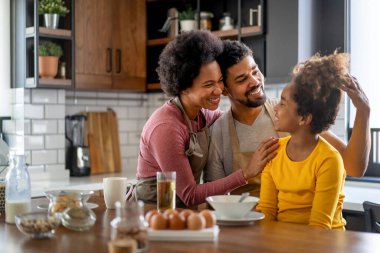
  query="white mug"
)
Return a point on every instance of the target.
[{"x": 115, "y": 189}]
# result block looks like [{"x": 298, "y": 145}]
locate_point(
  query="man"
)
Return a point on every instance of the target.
[{"x": 237, "y": 136}]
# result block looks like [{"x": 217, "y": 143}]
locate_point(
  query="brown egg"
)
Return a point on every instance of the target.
[
  {"x": 209, "y": 217},
  {"x": 158, "y": 222},
  {"x": 176, "y": 222},
  {"x": 167, "y": 212},
  {"x": 185, "y": 213},
  {"x": 196, "y": 222},
  {"x": 149, "y": 215}
]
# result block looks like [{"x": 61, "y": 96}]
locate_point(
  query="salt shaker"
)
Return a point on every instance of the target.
[{"x": 129, "y": 227}]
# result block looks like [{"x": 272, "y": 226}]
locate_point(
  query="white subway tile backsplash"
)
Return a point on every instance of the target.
[
  {"x": 44, "y": 157},
  {"x": 137, "y": 112},
  {"x": 61, "y": 156},
  {"x": 85, "y": 101},
  {"x": 128, "y": 125},
  {"x": 56, "y": 168},
  {"x": 33, "y": 169},
  {"x": 107, "y": 102},
  {"x": 123, "y": 137},
  {"x": 70, "y": 109},
  {"x": 26, "y": 96},
  {"x": 44, "y": 96},
  {"x": 110, "y": 95},
  {"x": 134, "y": 138},
  {"x": 54, "y": 111},
  {"x": 54, "y": 141},
  {"x": 129, "y": 151},
  {"x": 61, "y": 126},
  {"x": 61, "y": 96},
  {"x": 27, "y": 126},
  {"x": 34, "y": 142},
  {"x": 18, "y": 111},
  {"x": 44, "y": 126},
  {"x": 32, "y": 111},
  {"x": 121, "y": 111}
]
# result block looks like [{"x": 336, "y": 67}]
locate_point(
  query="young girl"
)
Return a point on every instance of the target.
[{"x": 303, "y": 183}]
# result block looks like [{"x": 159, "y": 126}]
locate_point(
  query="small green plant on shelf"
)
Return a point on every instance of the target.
[
  {"x": 52, "y": 7},
  {"x": 187, "y": 14},
  {"x": 49, "y": 48}
]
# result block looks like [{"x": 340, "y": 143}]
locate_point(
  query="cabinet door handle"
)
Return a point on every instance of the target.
[
  {"x": 109, "y": 60},
  {"x": 118, "y": 56}
]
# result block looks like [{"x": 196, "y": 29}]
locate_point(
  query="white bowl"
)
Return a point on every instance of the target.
[{"x": 229, "y": 207}]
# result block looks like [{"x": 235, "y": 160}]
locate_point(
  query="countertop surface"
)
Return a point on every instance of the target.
[
  {"x": 356, "y": 192},
  {"x": 268, "y": 237}
]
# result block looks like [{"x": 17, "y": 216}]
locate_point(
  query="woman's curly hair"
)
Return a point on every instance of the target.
[
  {"x": 182, "y": 58},
  {"x": 317, "y": 88}
]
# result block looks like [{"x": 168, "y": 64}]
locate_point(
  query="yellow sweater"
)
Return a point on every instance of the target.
[{"x": 305, "y": 192}]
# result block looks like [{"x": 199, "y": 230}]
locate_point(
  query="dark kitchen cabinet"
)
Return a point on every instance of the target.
[
  {"x": 27, "y": 33},
  {"x": 248, "y": 27},
  {"x": 110, "y": 50},
  {"x": 297, "y": 29}
]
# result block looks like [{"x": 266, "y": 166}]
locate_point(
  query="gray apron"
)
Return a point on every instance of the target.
[
  {"x": 241, "y": 160},
  {"x": 197, "y": 153}
]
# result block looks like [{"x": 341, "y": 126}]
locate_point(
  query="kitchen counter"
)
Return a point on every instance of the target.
[{"x": 259, "y": 237}]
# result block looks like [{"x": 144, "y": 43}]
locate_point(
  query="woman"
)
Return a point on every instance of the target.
[{"x": 175, "y": 138}]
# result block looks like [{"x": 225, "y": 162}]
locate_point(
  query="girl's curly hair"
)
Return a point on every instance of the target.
[
  {"x": 317, "y": 88},
  {"x": 182, "y": 58}
]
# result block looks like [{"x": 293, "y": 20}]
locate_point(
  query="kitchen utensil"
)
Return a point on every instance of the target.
[
  {"x": 103, "y": 141},
  {"x": 243, "y": 196},
  {"x": 78, "y": 154}
]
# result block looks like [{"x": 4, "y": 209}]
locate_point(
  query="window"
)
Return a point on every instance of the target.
[{"x": 364, "y": 46}]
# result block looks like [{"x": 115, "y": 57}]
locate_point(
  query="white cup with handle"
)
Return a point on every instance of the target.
[{"x": 115, "y": 189}]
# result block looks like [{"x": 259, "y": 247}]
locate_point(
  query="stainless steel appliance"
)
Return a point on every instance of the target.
[{"x": 77, "y": 155}]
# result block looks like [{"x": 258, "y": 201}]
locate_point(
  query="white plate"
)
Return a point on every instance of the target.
[
  {"x": 247, "y": 220},
  {"x": 88, "y": 205},
  {"x": 204, "y": 235}
]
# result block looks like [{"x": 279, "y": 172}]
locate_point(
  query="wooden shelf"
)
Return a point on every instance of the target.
[
  {"x": 245, "y": 31},
  {"x": 49, "y": 82},
  {"x": 51, "y": 33},
  {"x": 153, "y": 86}
]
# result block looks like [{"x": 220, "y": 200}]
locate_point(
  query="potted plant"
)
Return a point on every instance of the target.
[
  {"x": 186, "y": 19},
  {"x": 48, "y": 55},
  {"x": 52, "y": 9}
]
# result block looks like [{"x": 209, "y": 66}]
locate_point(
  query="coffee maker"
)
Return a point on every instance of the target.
[{"x": 78, "y": 154}]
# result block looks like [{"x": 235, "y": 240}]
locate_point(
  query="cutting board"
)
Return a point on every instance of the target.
[{"x": 103, "y": 141}]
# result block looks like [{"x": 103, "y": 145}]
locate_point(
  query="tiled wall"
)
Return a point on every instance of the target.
[{"x": 43, "y": 112}]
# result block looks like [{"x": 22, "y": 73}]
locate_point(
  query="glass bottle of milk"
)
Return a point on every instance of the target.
[{"x": 17, "y": 189}]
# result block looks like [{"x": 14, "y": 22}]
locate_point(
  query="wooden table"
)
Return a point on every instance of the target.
[{"x": 260, "y": 237}]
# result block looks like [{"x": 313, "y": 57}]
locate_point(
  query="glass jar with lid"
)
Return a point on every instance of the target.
[
  {"x": 205, "y": 21},
  {"x": 129, "y": 226},
  {"x": 226, "y": 22}
]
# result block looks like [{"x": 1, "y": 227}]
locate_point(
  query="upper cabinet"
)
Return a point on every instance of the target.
[
  {"x": 110, "y": 50},
  {"x": 297, "y": 29},
  {"x": 35, "y": 36},
  {"x": 227, "y": 19}
]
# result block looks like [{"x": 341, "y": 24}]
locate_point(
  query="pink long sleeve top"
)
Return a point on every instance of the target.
[{"x": 164, "y": 139}]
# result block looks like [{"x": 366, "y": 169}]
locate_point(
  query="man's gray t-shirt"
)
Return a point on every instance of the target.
[{"x": 220, "y": 158}]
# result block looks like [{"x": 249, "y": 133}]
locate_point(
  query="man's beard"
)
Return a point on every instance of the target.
[{"x": 253, "y": 103}]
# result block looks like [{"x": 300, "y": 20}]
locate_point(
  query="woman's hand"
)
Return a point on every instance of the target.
[{"x": 263, "y": 154}]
